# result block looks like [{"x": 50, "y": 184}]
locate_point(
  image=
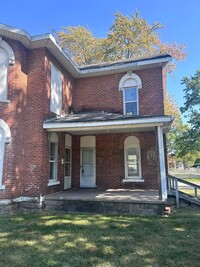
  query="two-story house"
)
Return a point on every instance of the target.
[{"x": 64, "y": 126}]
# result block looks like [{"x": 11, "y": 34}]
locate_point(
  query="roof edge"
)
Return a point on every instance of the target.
[{"x": 48, "y": 41}]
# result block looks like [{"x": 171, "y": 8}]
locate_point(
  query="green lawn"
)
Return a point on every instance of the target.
[
  {"x": 190, "y": 192},
  {"x": 101, "y": 241},
  {"x": 193, "y": 180}
]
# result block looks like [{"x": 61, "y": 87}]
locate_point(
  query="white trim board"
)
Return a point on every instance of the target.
[{"x": 122, "y": 124}]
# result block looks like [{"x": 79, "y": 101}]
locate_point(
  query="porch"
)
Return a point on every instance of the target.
[
  {"x": 107, "y": 201},
  {"x": 109, "y": 150}
]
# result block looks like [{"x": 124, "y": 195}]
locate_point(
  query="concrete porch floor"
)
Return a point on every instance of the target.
[{"x": 108, "y": 195}]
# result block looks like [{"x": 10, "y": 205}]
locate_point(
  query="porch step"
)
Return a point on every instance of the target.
[{"x": 104, "y": 207}]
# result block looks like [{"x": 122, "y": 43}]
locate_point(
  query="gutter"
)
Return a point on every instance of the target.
[{"x": 111, "y": 124}]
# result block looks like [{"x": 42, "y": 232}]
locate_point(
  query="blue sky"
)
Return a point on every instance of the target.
[{"x": 181, "y": 20}]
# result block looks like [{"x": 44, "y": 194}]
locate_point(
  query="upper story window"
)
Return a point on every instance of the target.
[
  {"x": 130, "y": 101},
  {"x": 56, "y": 91},
  {"x": 6, "y": 58},
  {"x": 129, "y": 84}
]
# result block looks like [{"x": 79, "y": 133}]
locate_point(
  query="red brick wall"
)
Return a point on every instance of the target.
[
  {"x": 26, "y": 166},
  {"x": 102, "y": 93},
  {"x": 13, "y": 114},
  {"x": 40, "y": 91},
  {"x": 110, "y": 161},
  {"x": 68, "y": 87}
]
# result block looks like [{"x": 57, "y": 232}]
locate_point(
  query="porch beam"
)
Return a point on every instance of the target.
[{"x": 161, "y": 153}]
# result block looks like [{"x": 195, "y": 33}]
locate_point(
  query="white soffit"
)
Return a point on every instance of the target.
[{"x": 107, "y": 125}]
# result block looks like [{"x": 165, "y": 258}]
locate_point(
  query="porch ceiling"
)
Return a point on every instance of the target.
[{"x": 102, "y": 123}]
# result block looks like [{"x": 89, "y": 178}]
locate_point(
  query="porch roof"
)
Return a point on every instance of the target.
[{"x": 104, "y": 122}]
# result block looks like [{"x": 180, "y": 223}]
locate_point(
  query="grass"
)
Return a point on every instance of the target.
[
  {"x": 193, "y": 180},
  {"x": 190, "y": 192},
  {"x": 100, "y": 241}
]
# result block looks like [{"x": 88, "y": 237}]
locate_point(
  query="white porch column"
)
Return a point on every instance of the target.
[{"x": 161, "y": 154}]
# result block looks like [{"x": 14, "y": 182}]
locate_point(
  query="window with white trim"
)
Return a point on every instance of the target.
[
  {"x": 53, "y": 157},
  {"x": 131, "y": 101},
  {"x": 2, "y": 143},
  {"x": 6, "y": 58},
  {"x": 132, "y": 158},
  {"x": 56, "y": 91},
  {"x": 129, "y": 84},
  {"x": 5, "y": 136}
]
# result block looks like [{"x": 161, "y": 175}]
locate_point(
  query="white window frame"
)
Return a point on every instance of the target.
[
  {"x": 2, "y": 149},
  {"x": 7, "y": 138},
  {"x": 132, "y": 142},
  {"x": 128, "y": 81},
  {"x": 9, "y": 61},
  {"x": 133, "y": 101},
  {"x": 69, "y": 162},
  {"x": 53, "y": 139}
]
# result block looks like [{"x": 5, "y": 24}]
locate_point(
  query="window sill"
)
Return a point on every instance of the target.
[
  {"x": 51, "y": 183},
  {"x": 2, "y": 187},
  {"x": 133, "y": 180},
  {"x": 5, "y": 101}
]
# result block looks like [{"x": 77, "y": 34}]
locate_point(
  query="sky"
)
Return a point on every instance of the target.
[{"x": 181, "y": 19}]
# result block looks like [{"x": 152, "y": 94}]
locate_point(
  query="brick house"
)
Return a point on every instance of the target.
[{"x": 64, "y": 126}]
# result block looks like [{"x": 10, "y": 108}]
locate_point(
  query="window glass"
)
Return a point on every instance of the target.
[
  {"x": 53, "y": 158},
  {"x": 67, "y": 169},
  {"x": 130, "y": 94},
  {"x": 52, "y": 151},
  {"x": 67, "y": 154},
  {"x": 132, "y": 158},
  {"x": 67, "y": 161},
  {"x": 87, "y": 155},
  {"x": 133, "y": 161},
  {"x": 53, "y": 171},
  {"x": 88, "y": 169},
  {"x": 131, "y": 101},
  {"x": 131, "y": 108}
]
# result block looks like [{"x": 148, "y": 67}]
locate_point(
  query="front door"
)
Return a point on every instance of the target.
[
  {"x": 67, "y": 178},
  {"x": 87, "y": 171}
]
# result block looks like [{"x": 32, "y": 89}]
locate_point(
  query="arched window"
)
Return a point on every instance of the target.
[
  {"x": 129, "y": 84},
  {"x": 5, "y": 136},
  {"x": 132, "y": 158},
  {"x": 6, "y": 58},
  {"x": 53, "y": 158}
]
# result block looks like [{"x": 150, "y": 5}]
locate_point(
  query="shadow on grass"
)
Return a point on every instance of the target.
[{"x": 95, "y": 240}]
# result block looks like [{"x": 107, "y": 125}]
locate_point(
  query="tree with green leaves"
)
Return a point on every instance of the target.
[
  {"x": 80, "y": 45},
  {"x": 172, "y": 109},
  {"x": 189, "y": 141},
  {"x": 128, "y": 37}
]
